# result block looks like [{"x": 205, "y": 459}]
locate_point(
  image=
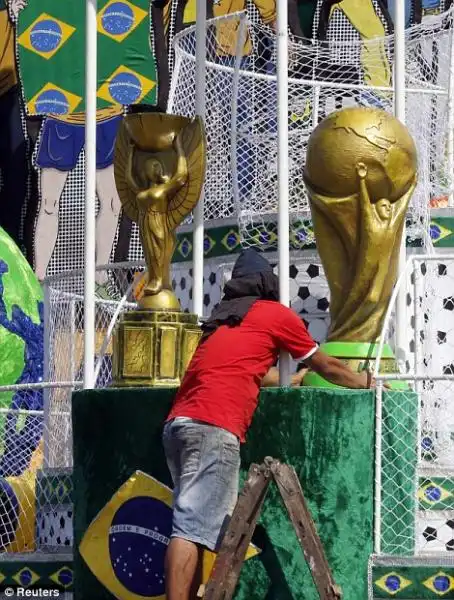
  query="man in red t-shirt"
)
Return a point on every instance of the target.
[{"x": 214, "y": 406}]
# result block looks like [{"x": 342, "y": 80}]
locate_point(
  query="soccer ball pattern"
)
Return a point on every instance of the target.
[
  {"x": 438, "y": 535},
  {"x": 308, "y": 290}
]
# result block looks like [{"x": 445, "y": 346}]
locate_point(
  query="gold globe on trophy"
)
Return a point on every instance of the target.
[
  {"x": 159, "y": 172},
  {"x": 360, "y": 173}
]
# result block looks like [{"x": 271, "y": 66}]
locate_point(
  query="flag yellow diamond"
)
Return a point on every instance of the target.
[
  {"x": 130, "y": 536},
  {"x": 125, "y": 86},
  {"x": 431, "y": 493},
  {"x": 392, "y": 583},
  {"x": 26, "y": 577},
  {"x": 440, "y": 584},
  {"x": 53, "y": 100},
  {"x": 45, "y": 36},
  {"x": 119, "y": 18}
]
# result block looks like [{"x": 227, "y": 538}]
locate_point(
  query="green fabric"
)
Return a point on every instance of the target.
[
  {"x": 326, "y": 435},
  {"x": 66, "y": 67}
]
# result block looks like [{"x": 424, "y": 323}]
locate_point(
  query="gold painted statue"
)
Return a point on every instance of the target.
[
  {"x": 159, "y": 171},
  {"x": 360, "y": 173}
]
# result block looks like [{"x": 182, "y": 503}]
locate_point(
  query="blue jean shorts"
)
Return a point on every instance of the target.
[{"x": 204, "y": 462}]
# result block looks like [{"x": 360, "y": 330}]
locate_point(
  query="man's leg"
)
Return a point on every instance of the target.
[
  {"x": 183, "y": 569},
  {"x": 204, "y": 461}
]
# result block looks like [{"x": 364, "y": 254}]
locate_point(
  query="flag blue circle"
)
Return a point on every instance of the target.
[
  {"x": 118, "y": 18},
  {"x": 392, "y": 583},
  {"x": 46, "y": 35},
  {"x": 125, "y": 88},
  {"x": 138, "y": 539},
  {"x": 441, "y": 583},
  {"x": 52, "y": 102}
]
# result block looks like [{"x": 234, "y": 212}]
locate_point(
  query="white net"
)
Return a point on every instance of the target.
[
  {"x": 417, "y": 424},
  {"x": 241, "y": 109},
  {"x": 36, "y": 512}
]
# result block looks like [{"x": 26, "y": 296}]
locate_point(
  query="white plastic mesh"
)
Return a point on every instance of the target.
[
  {"x": 241, "y": 109},
  {"x": 36, "y": 446},
  {"x": 417, "y": 427}
]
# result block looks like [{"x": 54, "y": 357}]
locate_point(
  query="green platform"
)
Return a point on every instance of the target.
[{"x": 327, "y": 435}]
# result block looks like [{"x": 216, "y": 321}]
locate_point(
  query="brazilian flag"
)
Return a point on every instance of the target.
[{"x": 51, "y": 51}]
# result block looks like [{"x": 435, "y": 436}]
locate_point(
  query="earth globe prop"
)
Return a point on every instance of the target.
[{"x": 360, "y": 173}]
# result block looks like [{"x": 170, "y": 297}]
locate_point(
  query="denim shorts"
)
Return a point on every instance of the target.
[{"x": 204, "y": 461}]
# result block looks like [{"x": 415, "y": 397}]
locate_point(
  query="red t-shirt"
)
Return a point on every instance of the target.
[{"x": 222, "y": 382}]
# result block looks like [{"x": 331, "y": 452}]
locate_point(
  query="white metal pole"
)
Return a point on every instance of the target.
[
  {"x": 90, "y": 192},
  {"x": 283, "y": 171},
  {"x": 450, "y": 140},
  {"x": 378, "y": 469},
  {"x": 46, "y": 375},
  {"x": 200, "y": 88},
  {"x": 399, "y": 111}
]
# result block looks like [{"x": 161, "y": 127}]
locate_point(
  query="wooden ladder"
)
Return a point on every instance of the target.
[{"x": 227, "y": 567}]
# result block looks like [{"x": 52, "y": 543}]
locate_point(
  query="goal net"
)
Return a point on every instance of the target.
[{"x": 241, "y": 113}]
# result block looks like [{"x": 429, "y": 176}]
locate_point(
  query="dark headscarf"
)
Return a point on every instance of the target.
[{"x": 252, "y": 279}]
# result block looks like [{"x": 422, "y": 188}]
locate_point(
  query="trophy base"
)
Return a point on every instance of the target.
[
  {"x": 152, "y": 348},
  {"x": 358, "y": 356}
]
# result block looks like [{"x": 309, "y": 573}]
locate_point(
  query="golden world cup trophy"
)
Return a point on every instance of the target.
[
  {"x": 360, "y": 173},
  {"x": 159, "y": 171}
]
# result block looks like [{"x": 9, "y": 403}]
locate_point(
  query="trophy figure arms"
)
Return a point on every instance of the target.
[
  {"x": 157, "y": 233},
  {"x": 376, "y": 263},
  {"x": 159, "y": 180}
]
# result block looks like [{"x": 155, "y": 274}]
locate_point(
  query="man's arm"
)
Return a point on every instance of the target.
[
  {"x": 337, "y": 372},
  {"x": 271, "y": 379}
]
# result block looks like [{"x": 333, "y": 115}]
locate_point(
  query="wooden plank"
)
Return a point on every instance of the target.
[{"x": 238, "y": 535}]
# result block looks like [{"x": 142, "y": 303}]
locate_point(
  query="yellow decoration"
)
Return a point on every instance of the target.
[
  {"x": 426, "y": 499},
  {"x": 138, "y": 15},
  {"x": 444, "y": 232},
  {"x": 130, "y": 536},
  {"x": 361, "y": 170},
  {"x": 146, "y": 85},
  {"x": 189, "y": 14},
  {"x": 392, "y": 583},
  {"x": 72, "y": 101},
  {"x": 33, "y": 579},
  {"x": 24, "y": 488},
  {"x": 55, "y": 577},
  {"x": 60, "y": 31},
  {"x": 363, "y": 16},
  {"x": 440, "y": 583}
]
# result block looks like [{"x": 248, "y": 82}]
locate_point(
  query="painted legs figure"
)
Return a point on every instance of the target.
[{"x": 61, "y": 144}]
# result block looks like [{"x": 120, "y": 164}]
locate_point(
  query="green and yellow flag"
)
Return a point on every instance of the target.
[{"x": 51, "y": 51}]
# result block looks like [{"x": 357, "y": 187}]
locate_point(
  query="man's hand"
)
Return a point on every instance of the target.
[
  {"x": 338, "y": 373},
  {"x": 15, "y": 6},
  {"x": 297, "y": 378},
  {"x": 271, "y": 379}
]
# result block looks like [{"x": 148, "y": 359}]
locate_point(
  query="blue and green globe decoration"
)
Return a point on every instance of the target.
[{"x": 21, "y": 357}]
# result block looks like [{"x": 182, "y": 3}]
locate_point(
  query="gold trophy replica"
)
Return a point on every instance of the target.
[
  {"x": 159, "y": 172},
  {"x": 360, "y": 173}
]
